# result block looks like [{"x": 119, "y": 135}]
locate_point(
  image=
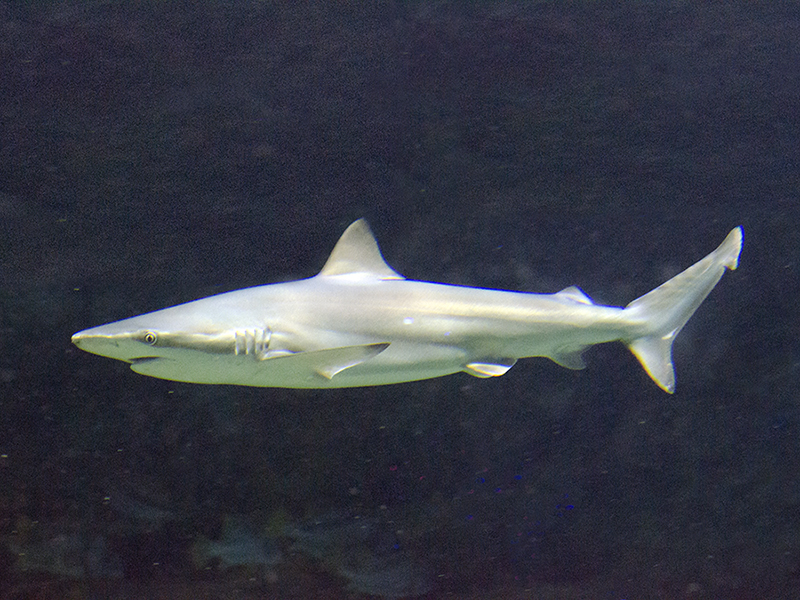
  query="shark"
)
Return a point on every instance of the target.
[{"x": 360, "y": 323}]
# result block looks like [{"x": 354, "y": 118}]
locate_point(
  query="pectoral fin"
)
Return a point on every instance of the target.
[
  {"x": 492, "y": 368},
  {"x": 571, "y": 359},
  {"x": 327, "y": 362}
]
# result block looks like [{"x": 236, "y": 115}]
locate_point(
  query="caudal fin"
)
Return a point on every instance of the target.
[{"x": 666, "y": 309}]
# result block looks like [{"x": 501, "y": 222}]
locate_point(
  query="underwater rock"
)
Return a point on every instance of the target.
[
  {"x": 238, "y": 546},
  {"x": 59, "y": 551},
  {"x": 137, "y": 511},
  {"x": 365, "y": 552},
  {"x": 388, "y": 577}
]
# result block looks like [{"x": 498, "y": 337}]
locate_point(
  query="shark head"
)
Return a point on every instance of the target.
[{"x": 165, "y": 342}]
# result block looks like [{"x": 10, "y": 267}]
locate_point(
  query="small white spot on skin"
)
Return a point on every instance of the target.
[{"x": 408, "y": 321}]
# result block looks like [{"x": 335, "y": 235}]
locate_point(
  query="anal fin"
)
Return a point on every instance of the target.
[{"x": 570, "y": 359}]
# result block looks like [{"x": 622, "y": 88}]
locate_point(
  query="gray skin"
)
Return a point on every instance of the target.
[{"x": 359, "y": 323}]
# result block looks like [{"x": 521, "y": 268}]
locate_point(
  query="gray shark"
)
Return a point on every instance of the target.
[{"x": 359, "y": 323}]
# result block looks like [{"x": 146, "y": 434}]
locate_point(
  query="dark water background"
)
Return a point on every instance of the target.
[{"x": 153, "y": 153}]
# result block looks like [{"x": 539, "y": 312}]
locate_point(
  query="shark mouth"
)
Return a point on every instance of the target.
[{"x": 143, "y": 359}]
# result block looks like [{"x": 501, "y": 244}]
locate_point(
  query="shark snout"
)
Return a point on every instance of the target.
[{"x": 102, "y": 344}]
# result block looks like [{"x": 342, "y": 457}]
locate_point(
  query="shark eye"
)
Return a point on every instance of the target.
[{"x": 150, "y": 338}]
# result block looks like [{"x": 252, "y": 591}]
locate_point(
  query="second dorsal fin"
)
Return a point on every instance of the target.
[{"x": 574, "y": 294}]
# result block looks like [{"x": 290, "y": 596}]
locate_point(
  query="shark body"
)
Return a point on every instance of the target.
[{"x": 359, "y": 323}]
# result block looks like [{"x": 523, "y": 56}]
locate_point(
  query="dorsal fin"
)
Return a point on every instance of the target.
[{"x": 358, "y": 252}]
